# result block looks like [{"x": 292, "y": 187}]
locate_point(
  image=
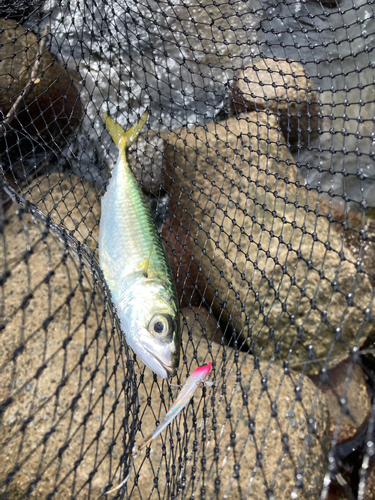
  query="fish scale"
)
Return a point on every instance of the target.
[{"x": 136, "y": 267}]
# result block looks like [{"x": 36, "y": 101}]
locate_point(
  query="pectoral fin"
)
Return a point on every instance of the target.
[{"x": 143, "y": 266}]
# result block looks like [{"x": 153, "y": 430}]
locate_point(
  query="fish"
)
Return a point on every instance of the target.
[
  {"x": 198, "y": 376},
  {"x": 135, "y": 265}
]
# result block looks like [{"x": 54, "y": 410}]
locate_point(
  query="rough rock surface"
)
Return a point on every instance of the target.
[
  {"x": 246, "y": 229},
  {"x": 348, "y": 399},
  {"x": 71, "y": 202},
  {"x": 283, "y": 88},
  {"x": 63, "y": 374},
  {"x": 53, "y": 107}
]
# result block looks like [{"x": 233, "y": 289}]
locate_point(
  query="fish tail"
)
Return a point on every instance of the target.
[{"x": 123, "y": 139}]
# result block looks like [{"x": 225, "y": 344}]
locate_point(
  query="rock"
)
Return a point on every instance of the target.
[
  {"x": 308, "y": 328},
  {"x": 53, "y": 109},
  {"x": 336, "y": 492},
  {"x": 251, "y": 431},
  {"x": 345, "y": 381},
  {"x": 283, "y": 88},
  {"x": 146, "y": 159},
  {"x": 246, "y": 238},
  {"x": 19, "y": 9},
  {"x": 359, "y": 234},
  {"x": 341, "y": 160},
  {"x": 71, "y": 202},
  {"x": 64, "y": 414},
  {"x": 370, "y": 482}
]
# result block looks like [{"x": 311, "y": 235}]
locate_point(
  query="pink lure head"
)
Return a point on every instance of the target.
[{"x": 202, "y": 371}]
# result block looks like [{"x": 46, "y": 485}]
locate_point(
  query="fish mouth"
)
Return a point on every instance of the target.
[{"x": 171, "y": 372}]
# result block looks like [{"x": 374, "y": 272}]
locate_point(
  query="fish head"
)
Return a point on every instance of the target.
[{"x": 151, "y": 324}]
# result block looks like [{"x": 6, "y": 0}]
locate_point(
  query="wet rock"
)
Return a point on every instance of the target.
[
  {"x": 341, "y": 160},
  {"x": 246, "y": 437},
  {"x": 283, "y": 88},
  {"x": 52, "y": 109},
  {"x": 246, "y": 238},
  {"x": 348, "y": 400},
  {"x": 62, "y": 365},
  {"x": 19, "y": 9}
]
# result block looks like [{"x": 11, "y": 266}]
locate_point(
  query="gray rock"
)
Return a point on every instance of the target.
[{"x": 341, "y": 160}]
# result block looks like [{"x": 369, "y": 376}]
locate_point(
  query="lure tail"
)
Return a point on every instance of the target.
[{"x": 124, "y": 139}]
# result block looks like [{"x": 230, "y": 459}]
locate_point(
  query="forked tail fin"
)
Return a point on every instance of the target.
[{"x": 123, "y": 139}]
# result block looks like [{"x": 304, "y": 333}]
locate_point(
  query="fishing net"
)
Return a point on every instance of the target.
[{"x": 258, "y": 164}]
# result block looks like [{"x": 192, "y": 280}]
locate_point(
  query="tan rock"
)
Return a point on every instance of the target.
[
  {"x": 71, "y": 202},
  {"x": 53, "y": 105},
  {"x": 70, "y": 199},
  {"x": 283, "y": 88},
  {"x": 62, "y": 370},
  {"x": 245, "y": 228}
]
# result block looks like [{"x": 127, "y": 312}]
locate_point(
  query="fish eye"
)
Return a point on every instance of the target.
[{"x": 161, "y": 325}]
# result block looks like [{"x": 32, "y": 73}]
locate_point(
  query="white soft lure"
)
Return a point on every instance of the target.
[{"x": 198, "y": 376}]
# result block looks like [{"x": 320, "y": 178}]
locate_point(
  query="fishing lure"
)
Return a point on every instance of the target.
[
  {"x": 198, "y": 376},
  {"x": 135, "y": 265}
]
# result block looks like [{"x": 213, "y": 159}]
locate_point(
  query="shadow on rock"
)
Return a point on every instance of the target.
[{"x": 48, "y": 114}]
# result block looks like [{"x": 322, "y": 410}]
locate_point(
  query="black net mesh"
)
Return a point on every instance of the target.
[{"x": 258, "y": 161}]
